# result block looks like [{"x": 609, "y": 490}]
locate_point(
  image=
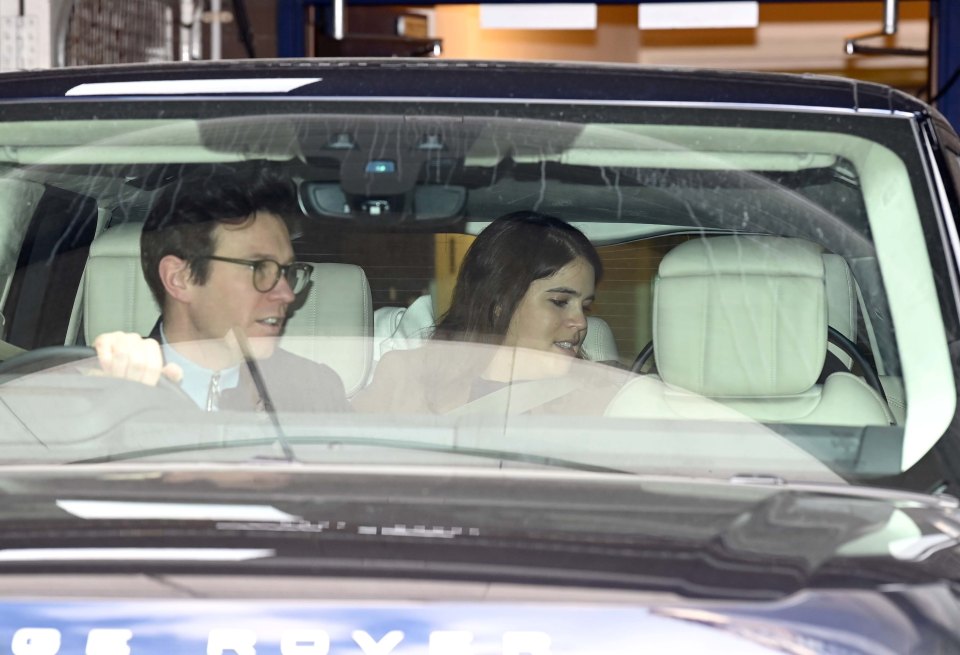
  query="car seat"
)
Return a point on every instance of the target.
[
  {"x": 742, "y": 320},
  {"x": 332, "y": 322}
]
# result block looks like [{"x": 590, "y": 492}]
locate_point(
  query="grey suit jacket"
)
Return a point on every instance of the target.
[{"x": 293, "y": 383}]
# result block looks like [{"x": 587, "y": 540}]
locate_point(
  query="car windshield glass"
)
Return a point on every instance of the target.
[{"x": 695, "y": 291}]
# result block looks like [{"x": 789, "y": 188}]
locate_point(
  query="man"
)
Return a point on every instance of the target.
[{"x": 217, "y": 257}]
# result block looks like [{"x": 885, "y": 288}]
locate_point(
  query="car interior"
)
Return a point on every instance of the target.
[{"x": 771, "y": 271}]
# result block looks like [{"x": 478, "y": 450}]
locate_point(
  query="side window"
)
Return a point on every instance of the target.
[
  {"x": 951, "y": 149},
  {"x": 51, "y": 262}
]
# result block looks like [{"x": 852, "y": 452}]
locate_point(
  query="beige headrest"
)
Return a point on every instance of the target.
[
  {"x": 333, "y": 323},
  {"x": 741, "y": 316},
  {"x": 115, "y": 295},
  {"x": 599, "y": 344}
]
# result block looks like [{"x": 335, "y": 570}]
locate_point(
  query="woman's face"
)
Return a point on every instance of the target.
[{"x": 552, "y": 315}]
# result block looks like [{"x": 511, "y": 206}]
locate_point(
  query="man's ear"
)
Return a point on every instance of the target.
[{"x": 176, "y": 278}]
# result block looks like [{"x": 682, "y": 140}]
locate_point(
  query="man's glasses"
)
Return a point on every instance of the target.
[{"x": 267, "y": 273}]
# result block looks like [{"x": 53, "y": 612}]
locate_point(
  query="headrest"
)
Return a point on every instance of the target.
[
  {"x": 600, "y": 346},
  {"x": 332, "y": 323},
  {"x": 412, "y": 326},
  {"x": 115, "y": 294},
  {"x": 741, "y": 316}
]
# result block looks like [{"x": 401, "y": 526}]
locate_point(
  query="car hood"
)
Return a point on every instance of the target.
[
  {"x": 389, "y": 559},
  {"x": 753, "y": 538}
]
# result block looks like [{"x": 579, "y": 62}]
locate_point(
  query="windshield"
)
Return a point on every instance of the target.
[{"x": 703, "y": 292}]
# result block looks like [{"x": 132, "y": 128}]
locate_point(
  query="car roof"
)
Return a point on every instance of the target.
[{"x": 449, "y": 79}]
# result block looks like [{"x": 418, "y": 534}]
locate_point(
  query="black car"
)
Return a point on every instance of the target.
[{"x": 741, "y": 437}]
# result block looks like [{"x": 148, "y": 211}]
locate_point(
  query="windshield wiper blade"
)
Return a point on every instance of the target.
[
  {"x": 268, "y": 406},
  {"x": 850, "y": 489},
  {"x": 422, "y": 446}
]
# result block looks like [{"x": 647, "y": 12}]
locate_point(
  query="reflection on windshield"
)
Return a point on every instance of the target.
[{"x": 659, "y": 291}]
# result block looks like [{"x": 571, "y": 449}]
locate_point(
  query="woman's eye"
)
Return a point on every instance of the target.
[{"x": 560, "y": 302}]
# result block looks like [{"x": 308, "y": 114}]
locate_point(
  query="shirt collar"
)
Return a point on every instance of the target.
[{"x": 196, "y": 378}]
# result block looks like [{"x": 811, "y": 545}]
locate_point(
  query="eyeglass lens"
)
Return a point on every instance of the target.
[{"x": 267, "y": 274}]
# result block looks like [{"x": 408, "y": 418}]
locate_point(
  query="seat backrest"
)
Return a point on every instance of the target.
[
  {"x": 115, "y": 293},
  {"x": 413, "y": 325},
  {"x": 743, "y": 320},
  {"x": 599, "y": 344},
  {"x": 843, "y": 314},
  {"x": 843, "y": 309},
  {"x": 332, "y": 322}
]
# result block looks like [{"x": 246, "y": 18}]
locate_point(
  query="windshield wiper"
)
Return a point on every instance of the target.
[
  {"x": 852, "y": 489},
  {"x": 268, "y": 406},
  {"x": 421, "y": 446}
]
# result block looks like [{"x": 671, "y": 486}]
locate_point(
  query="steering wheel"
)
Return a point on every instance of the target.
[
  {"x": 867, "y": 368},
  {"x": 46, "y": 357},
  {"x": 638, "y": 363},
  {"x": 33, "y": 361}
]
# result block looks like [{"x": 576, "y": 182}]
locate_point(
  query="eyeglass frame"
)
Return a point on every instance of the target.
[{"x": 282, "y": 269}]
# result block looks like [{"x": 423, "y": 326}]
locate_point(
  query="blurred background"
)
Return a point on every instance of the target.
[{"x": 913, "y": 45}]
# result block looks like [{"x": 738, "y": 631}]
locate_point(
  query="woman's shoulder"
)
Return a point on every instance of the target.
[
  {"x": 433, "y": 354},
  {"x": 397, "y": 362}
]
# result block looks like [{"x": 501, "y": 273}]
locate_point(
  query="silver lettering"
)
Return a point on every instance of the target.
[
  {"x": 370, "y": 646},
  {"x": 35, "y": 641},
  {"x": 305, "y": 642},
  {"x": 241, "y": 642},
  {"x": 101, "y": 641}
]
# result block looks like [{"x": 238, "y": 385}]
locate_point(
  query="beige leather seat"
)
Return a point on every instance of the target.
[
  {"x": 742, "y": 320},
  {"x": 843, "y": 313},
  {"x": 332, "y": 323},
  {"x": 410, "y": 327},
  {"x": 843, "y": 309},
  {"x": 115, "y": 294}
]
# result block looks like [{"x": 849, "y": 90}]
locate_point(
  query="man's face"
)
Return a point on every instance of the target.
[{"x": 228, "y": 300}]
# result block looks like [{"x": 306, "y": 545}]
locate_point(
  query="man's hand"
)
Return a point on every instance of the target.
[{"x": 131, "y": 357}]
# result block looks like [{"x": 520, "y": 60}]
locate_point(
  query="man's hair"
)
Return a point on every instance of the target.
[{"x": 186, "y": 212}]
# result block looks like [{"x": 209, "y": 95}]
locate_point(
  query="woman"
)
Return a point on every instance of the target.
[{"x": 518, "y": 314}]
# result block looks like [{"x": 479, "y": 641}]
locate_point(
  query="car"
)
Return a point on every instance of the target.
[{"x": 752, "y": 449}]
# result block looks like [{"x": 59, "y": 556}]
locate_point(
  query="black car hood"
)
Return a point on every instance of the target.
[
  {"x": 361, "y": 559},
  {"x": 694, "y": 538}
]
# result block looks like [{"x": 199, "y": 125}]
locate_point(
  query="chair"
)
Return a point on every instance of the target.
[
  {"x": 843, "y": 309},
  {"x": 331, "y": 323},
  {"x": 742, "y": 320},
  {"x": 843, "y": 312},
  {"x": 115, "y": 293}
]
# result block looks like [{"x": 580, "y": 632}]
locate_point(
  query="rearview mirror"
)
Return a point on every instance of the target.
[{"x": 424, "y": 203}]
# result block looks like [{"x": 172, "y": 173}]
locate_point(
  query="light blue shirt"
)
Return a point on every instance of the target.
[{"x": 196, "y": 379}]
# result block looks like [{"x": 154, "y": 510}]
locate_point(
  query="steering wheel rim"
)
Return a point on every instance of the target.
[
  {"x": 47, "y": 357},
  {"x": 39, "y": 359},
  {"x": 642, "y": 357},
  {"x": 869, "y": 371}
]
